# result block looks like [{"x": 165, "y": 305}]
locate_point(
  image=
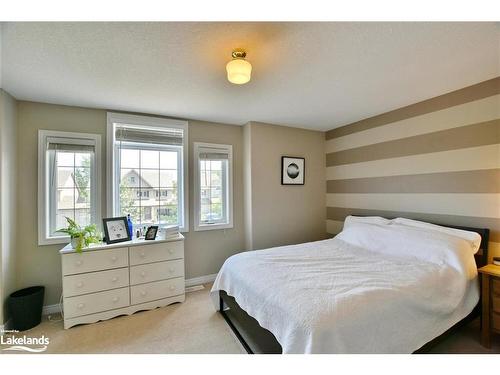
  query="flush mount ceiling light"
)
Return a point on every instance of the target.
[{"x": 238, "y": 69}]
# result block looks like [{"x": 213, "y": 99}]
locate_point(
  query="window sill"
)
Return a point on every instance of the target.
[
  {"x": 201, "y": 228},
  {"x": 53, "y": 241}
]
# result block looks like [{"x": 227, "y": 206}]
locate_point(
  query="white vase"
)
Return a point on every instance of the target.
[{"x": 74, "y": 242}]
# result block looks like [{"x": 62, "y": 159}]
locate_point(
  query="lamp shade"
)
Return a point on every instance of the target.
[{"x": 238, "y": 71}]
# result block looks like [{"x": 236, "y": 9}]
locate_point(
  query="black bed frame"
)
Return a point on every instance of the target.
[{"x": 258, "y": 340}]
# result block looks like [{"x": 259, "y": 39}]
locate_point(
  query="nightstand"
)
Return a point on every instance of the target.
[{"x": 490, "y": 276}]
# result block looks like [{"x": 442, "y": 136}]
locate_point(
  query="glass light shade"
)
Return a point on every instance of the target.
[{"x": 238, "y": 71}]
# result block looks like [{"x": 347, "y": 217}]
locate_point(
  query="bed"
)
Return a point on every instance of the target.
[{"x": 380, "y": 286}]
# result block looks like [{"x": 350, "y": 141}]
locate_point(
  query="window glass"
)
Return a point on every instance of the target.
[
  {"x": 70, "y": 186},
  {"x": 148, "y": 183}
]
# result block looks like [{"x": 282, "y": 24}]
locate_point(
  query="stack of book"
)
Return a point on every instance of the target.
[{"x": 171, "y": 232}]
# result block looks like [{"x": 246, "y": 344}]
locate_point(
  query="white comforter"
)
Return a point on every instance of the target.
[{"x": 333, "y": 297}]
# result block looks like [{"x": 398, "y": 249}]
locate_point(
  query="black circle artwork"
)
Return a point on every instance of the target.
[{"x": 292, "y": 170}]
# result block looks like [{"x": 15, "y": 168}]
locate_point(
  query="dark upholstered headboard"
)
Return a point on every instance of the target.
[{"x": 482, "y": 255}]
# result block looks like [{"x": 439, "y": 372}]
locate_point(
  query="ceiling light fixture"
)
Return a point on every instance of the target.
[{"x": 238, "y": 69}]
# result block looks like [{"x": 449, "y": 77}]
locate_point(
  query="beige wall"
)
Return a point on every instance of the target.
[
  {"x": 8, "y": 134},
  {"x": 247, "y": 185},
  {"x": 437, "y": 160},
  {"x": 205, "y": 251},
  {"x": 282, "y": 214},
  {"x": 41, "y": 265}
]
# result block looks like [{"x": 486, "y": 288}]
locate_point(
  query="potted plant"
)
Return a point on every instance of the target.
[{"x": 81, "y": 237}]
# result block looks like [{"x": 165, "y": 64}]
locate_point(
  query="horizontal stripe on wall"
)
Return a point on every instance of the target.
[
  {"x": 338, "y": 215},
  {"x": 480, "y": 181},
  {"x": 454, "y": 117},
  {"x": 480, "y": 205},
  {"x": 465, "y": 95},
  {"x": 473, "y": 135},
  {"x": 466, "y": 159}
]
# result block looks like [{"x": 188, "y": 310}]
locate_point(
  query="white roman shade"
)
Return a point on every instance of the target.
[
  {"x": 151, "y": 135},
  {"x": 213, "y": 153},
  {"x": 70, "y": 144}
]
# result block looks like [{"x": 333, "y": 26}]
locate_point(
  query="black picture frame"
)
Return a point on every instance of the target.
[
  {"x": 151, "y": 233},
  {"x": 120, "y": 233},
  {"x": 300, "y": 161}
]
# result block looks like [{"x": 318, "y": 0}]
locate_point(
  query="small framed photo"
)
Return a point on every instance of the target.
[
  {"x": 116, "y": 230},
  {"x": 151, "y": 232},
  {"x": 292, "y": 170}
]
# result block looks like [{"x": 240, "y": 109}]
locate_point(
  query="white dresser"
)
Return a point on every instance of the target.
[{"x": 109, "y": 280}]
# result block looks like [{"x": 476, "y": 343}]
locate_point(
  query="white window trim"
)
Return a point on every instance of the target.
[
  {"x": 111, "y": 175},
  {"x": 44, "y": 237},
  {"x": 196, "y": 163}
]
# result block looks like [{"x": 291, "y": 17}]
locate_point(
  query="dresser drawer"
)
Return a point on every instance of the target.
[
  {"x": 495, "y": 302},
  {"x": 156, "y": 290},
  {"x": 156, "y": 252},
  {"x": 495, "y": 321},
  {"x": 96, "y": 302},
  {"x": 146, "y": 273},
  {"x": 84, "y": 283},
  {"x": 96, "y": 260},
  {"x": 495, "y": 285}
]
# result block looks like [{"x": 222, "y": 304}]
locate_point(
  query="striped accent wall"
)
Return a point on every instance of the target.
[{"x": 437, "y": 161}]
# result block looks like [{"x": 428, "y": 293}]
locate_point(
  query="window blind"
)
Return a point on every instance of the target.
[
  {"x": 208, "y": 153},
  {"x": 164, "y": 136},
  {"x": 71, "y": 145}
]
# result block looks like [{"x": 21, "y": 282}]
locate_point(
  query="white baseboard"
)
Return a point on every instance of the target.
[
  {"x": 54, "y": 309},
  {"x": 51, "y": 309},
  {"x": 201, "y": 280}
]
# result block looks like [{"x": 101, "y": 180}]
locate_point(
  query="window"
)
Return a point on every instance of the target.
[
  {"x": 68, "y": 166},
  {"x": 213, "y": 186},
  {"x": 146, "y": 156}
]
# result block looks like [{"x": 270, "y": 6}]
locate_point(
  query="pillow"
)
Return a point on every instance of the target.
[
  {"x": 412, "y": 242},
  {"x": 472, "y": 237},
  {"x": 349, "y": 220}
]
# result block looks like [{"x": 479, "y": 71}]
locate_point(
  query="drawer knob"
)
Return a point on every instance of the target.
[
  {"x": 79, "y": 262},
  {"x": 172, "y": 287},
  {"x": 143, "y": 254},
  {"x": 116, "y": 299},
  {"x": 79, "y": 285},
  {"x": 114, "y": 279},
  {"x": 81, "y": 305},
  {"x": 143, "y": 293},
  {"x": 114, "y": 258},
  {"x": 171, "y": 251},
  {"x": 143, "y": 274},
  {"x": 170, "y": 270}
]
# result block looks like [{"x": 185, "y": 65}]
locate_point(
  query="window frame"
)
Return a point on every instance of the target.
[
  {"x": 113, "y": 175},
  {"x": 198, "y": 146},
  {"x": 46, "y": 203}
]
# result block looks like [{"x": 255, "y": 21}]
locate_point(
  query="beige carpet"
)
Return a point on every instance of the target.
[{"x": 189, "y": 327}]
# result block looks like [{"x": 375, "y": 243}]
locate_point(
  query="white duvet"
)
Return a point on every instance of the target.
[{"x": 371, "y": 289}]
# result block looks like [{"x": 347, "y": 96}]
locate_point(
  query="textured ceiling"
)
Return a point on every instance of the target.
[{"x": 310, "y": 75}]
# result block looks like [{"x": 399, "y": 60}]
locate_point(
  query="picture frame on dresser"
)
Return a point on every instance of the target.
[
  {"x": 116, "y": 230},
  {"x": 151, "y": 233}
]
